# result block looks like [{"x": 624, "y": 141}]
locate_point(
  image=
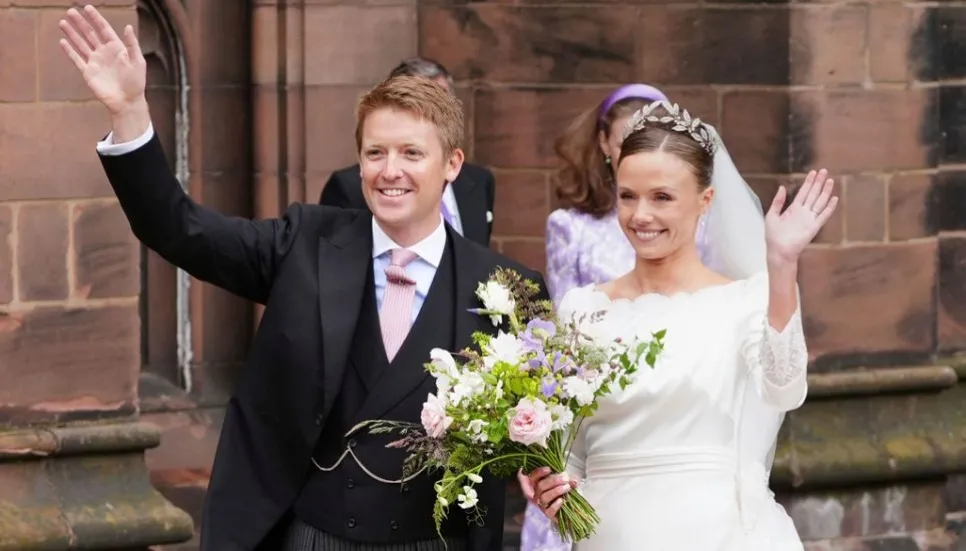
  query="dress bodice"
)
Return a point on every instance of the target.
[
  {"x": 717, "y": 345},
  {"x": 690, "y": 397}
]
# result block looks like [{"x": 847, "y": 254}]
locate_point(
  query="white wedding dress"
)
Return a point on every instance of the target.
[{"x": 674, "y": 462}]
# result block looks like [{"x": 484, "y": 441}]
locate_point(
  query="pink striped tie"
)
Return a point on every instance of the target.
[{"x": 396, "y": 314}]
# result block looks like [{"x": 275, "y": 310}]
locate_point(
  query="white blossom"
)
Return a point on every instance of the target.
[
  {"x": 475, "y": 428},
  {"x": 562, "y": 417},
  {"x": 579, "y": 389},
  {"x": 502, "y": 348},
  {"x": 497, "y": 300},
  {"x": 468, "y": 385},
  {"x": 468, "y": 498},
  {"x": 444, "y": 369}
]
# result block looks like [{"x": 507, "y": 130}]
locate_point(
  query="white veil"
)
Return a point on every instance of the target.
[
  {"x": 733, "y": 244},
  {"x": 733, "y": 240}
]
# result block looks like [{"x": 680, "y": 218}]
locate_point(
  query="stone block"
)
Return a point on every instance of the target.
[
  {"x": 357, "y": 45},
  {"x": 43, "y": 241},
  {"x": 524, "y": 203},
  {"x": 755, "y": 126},
  {"x": 62, "y": 363},
  {"x": 503, "y": 43},
  {"x": 869, "y": 300},
  {"x": 952, "y": 293},
  {"x": 711, "y": 45},
  {"x": 913, "y": 205},
  {"x": 828, "y": 45},
  {"x": 517, "y": 127},
  {"x": 897, "y": 131},
  {"x": 865, "y": 209},
  {"x": 18, "y": 80},
  {"x": 107, "y": 256},
  {"x": 66, "y": 166},
  {"x": 529, "y": 252}
]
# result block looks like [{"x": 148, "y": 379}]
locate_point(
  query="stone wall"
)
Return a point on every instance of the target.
[
  {"x": 254, "y": 105},
  {"x": 68, "y": 264},
  {"x": 858, "y": 88},
  {"x": 71, "y": 451}
]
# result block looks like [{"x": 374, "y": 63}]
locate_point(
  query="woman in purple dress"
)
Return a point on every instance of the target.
[{"x": 585, "y": 244}]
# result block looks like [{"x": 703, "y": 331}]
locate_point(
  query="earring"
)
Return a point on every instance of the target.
[{"x": 607, "y": 159}]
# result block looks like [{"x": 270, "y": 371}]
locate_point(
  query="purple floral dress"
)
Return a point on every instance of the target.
[{"x": 581, "y": 250}]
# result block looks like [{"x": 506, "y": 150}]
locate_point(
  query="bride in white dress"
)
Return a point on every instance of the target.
[{"x": 674, "y": 462}]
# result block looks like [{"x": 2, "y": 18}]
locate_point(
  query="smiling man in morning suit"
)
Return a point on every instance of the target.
[{"x": 355, "y": 300}]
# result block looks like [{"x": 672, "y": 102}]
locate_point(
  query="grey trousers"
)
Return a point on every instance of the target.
[{"x": 302, "y": 537}]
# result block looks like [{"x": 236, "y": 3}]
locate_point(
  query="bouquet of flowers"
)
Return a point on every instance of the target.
[{"x": 516, "y": 401}]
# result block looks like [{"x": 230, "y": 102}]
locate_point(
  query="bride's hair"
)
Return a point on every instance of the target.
[{"x": 663, "y": 126}]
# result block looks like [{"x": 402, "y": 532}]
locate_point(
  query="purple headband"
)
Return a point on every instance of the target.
[{"x": 638, "y": 91}]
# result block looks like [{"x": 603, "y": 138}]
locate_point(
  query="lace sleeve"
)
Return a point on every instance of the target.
[{"x": 777, "y": 360}]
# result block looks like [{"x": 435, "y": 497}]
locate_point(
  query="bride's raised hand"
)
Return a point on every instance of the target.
[
  {"x": 788, "y": 233},
  {"x": 114, "y": 69}
]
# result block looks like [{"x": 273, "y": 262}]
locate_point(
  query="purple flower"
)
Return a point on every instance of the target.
[
  {"x": 549, "y": 387},
  {"x": 561, "y": 363},
  {"x": 537, "y": 330},
  {"x": 542, "y": 325},
  {"x": 538, "y": 360}
]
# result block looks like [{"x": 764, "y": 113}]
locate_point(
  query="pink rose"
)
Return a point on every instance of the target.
[
  {"x": 434, "y": 417},
  {"x": 531, "y": 423}
]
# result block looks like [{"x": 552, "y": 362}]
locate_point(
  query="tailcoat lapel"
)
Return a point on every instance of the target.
[{"x": 343, "y": 263}]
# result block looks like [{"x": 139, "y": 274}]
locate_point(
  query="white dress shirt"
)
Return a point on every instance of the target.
[
  {"x": 449, "y": 199},
  {"x": 422, "y": 269},
  {"x": 429, "y": 251}
]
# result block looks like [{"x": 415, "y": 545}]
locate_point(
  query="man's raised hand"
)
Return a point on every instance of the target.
[{"x": 113, "y": 68}]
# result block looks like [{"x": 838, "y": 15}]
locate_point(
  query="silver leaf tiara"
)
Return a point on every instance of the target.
[{"x": 675, "y": 120}]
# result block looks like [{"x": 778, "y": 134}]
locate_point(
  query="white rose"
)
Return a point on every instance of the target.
[
  {"x": 502, "y": 348},
  {"x": 434, "y": 417},
  {"x": 496, "y": 299}
]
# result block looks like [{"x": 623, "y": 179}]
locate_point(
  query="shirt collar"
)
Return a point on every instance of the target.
[{"x": 429, "y": 249}]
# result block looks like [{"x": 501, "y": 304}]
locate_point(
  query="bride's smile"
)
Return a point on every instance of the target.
[{"x": 659, "y": 203}]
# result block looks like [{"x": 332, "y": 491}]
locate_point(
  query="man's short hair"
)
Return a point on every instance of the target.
[
  {"x": 419, "y": 96},
  {"x": 422, "y": 67}
]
